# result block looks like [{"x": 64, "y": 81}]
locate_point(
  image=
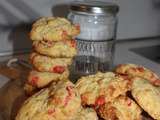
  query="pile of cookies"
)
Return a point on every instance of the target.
[
  {"x": 125, "y": 93},
  {"x": 118, "y": 95},
  {"x": 53, "y": 51}
]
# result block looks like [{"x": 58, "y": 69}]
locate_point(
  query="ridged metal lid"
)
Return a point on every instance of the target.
[{"x": 94, "y": 7}]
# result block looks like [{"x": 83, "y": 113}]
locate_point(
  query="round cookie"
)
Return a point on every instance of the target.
[
  {"x": 147, "y": 96},
  {"x": 48, "y": 64},
  {"x": 56, "y": 49},
  {"x": 53, "y": 29},
  {"x": 60, "y": 101},
  {"x": 102, "y": 87},
  {"x": 121, "y": 108},
  {"x": 42, "y": 79},
  {"x": 139, "y": 71}
]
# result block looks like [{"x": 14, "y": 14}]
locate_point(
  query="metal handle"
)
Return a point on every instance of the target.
[{"x": 20, "y": 62}]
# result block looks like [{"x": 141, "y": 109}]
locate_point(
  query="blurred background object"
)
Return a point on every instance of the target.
[{"x": 137, "y": 18}]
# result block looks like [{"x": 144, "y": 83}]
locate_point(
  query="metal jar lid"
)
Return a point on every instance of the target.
[{"x": 94, "y": 7}]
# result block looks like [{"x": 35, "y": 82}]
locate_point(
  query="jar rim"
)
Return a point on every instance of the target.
[{"x": 94, "y": 7}]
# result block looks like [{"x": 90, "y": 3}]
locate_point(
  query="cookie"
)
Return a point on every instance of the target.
[
  {"x": 48, "y": 64},
  {"x": 102, "y": 87},
  {"x": 139, "y": 71},
  {"x": 53, "y": 29},
  {"x": 42, "y": 79},
  {"x": 121, "y": 108},
  {"x": 60, "y": 101},
  {"x": 147, "y": 96},
  {"x": 56, "y": 49}
]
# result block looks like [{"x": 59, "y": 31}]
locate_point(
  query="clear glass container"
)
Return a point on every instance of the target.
[{"x": 95, "y": 44}]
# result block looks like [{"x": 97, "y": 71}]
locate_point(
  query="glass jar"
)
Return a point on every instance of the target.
[{"x": 95, "y": 44}]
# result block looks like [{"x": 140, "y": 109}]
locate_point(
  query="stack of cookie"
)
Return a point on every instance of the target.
[{"x": 54, "y": 49}]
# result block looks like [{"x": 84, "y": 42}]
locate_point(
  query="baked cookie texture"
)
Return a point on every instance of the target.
[
  {"x": 86, "y": 114},
  {"x": 57, "y": 102},
  {"x": 102, "y": 87},
  {"x": 147, "y": 96},
  {"x": 121, "y": 108},
  {"x": 42, "y": 79},
  {"x": 29, "y": 89},
  {"x": 48, "y": 64},
  {"x": 53, "y": 29},
  {"x": 56, "y": 49},
  {"x": 139, "y": 71}
]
